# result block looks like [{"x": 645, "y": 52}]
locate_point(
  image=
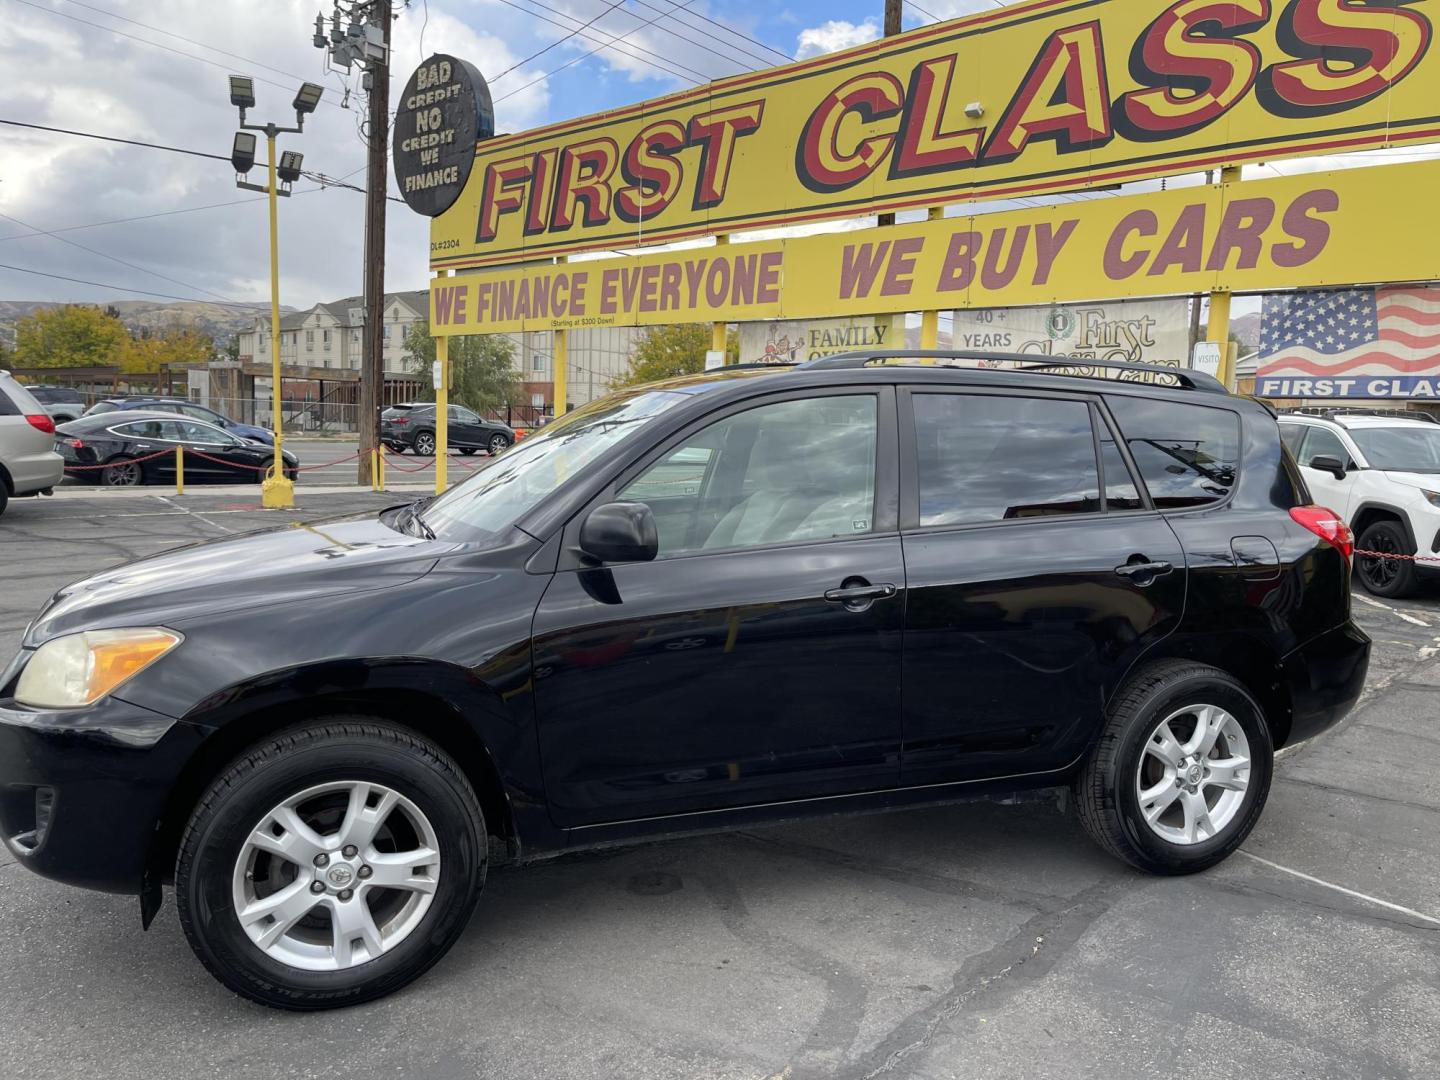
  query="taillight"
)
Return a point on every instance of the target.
[
  {"x": 1327, "y": 525},
  {"x": 399, "y": 419},
  {"x": 75, "y": 444},
  {"x": 43, "y": 422}
]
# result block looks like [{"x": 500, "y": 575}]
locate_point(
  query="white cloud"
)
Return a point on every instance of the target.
[{"x": 835, "y": 35}]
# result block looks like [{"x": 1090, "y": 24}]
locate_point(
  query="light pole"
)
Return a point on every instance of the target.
[{"x": 278, "y": 490}]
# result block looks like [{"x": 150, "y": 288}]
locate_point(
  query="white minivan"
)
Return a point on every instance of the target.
[{"x": 29, "y": 464}]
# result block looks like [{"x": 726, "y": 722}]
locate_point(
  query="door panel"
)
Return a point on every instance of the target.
[
  {"x": 1014, "y": 632},
  {"x": 717, "y": 681}
]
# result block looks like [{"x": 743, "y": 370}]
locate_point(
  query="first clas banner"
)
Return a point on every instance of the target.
[
  {"x": 1045, "y": 96},
  {"x": 1313, "y": 231}
]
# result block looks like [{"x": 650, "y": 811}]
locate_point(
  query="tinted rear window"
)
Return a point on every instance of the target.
[
  {"x": 15, "y": 400},
  {"x": 7, "y": 407},
  {"x": 1188, "y": 455}
]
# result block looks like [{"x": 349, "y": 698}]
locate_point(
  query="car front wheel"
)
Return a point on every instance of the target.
[
  {"x": 498, "y": 444},
  {"x": 425, "y": 444},
  {"x": 331, "y": 865},
  {"x": 1388, "y": 572},
  {"x": 1181, "y": 772}
]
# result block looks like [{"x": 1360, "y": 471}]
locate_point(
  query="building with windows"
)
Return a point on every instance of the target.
[{"x": 328, "y": 336}]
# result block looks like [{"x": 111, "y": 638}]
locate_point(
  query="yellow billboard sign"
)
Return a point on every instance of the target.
[
  {"x": 1346, "y": 227},
  {"x": 1036, "y": 97}
]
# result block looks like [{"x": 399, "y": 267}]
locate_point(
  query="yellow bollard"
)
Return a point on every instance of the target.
[{"x": 179, "y": 470}]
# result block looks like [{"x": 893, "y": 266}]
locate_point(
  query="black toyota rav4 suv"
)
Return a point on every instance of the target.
[{"x": 724, "y": 599}]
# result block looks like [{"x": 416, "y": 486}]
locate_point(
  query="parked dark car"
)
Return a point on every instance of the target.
[
  {"x": 127, "y": 448},
  {"x": 703, "y": 603},
  {"x": 181, "y": 407},
  {"x": 61, "y": 402},
  {"x": 412, "y": 427}
]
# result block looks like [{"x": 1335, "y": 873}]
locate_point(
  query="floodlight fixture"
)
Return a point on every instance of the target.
[
  {"x": 242, "y": 154},
  {"x": 289, "y": 168},
  {"x": 242, "y": 91},
  {"x": 308, "y": 98}
]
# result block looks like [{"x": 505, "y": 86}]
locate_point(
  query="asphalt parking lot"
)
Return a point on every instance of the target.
[{"x": 978, "y": 940}]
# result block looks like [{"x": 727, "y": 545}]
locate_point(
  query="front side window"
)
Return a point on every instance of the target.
[
  {"x": 494, "y": 497},
  {"x": 984, "y": 458},
  {"x": 1321, "y": 442},
  {"x": 1188, "y": 455},
  {"x": 1402, "y": 449},
  {"x": 782, "y": 473}
]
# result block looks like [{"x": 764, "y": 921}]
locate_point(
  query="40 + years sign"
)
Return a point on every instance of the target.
[
  {"x": 1314, "y": 231},
  {"x": 1038, "y": 96}
]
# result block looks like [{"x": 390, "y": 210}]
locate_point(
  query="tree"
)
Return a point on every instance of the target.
[
  {"x": 667, "y": 351},
  {"x": 482, "y": 367},
  {"x": 145, "y": 353},
  {"x": 70, "y": 336}
]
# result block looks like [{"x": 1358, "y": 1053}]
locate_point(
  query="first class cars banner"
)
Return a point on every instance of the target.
[
  {"x": 1319, "y": 230},
  {"x": 1044, "y": 96}
]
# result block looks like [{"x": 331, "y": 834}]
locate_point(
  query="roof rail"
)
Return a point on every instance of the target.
[
  {"x": 1184, "y": 377},
  {"x": 1327, "y": 411}
]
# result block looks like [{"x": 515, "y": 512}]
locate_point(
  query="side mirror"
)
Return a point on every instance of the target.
[
  {"x": 1333, "y": 465},
  {"x": 620, "y": 532}
]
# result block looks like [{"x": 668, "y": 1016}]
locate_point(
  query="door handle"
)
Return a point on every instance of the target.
[
  {"x": 860, "y": 595},
  {"x": 1143, "y": 573}
]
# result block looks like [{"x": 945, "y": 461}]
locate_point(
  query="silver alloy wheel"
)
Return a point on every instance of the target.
[
  {"x": 498, "y": 444},
  {"x": 425, "y": 444},
  {"x": 336, "y": 875},
  {"x": 1193, "y": 773},
  {"x": 121, "y": 474}
]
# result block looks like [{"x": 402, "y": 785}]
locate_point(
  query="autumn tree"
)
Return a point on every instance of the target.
[
  {"x": 482, "y": 367},
  {"x": 667, "y": 351},
  {"x": 73, "y": 335},
  {"x": 144, "y": 354}
]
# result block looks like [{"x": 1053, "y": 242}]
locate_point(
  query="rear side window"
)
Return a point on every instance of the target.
[
  {"x": 1290, "y": 435},
  {"x": 984, "y": 458},
  {"x": 1188, "y": 455},
  {"x": 7, "y": 407},
  {"x": 15, "y": 400}
]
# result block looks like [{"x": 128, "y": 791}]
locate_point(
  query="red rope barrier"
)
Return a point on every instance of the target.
[
  {"x": 119, "y": 461},
  {"x": 401, "y": 468},
  {"x": 1398, "y": 558}
]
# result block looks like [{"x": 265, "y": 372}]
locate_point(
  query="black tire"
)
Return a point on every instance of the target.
[
  {"x": 1107, "y": 798},
  {"x": 337, "y": 749},
  {"x": 4, "y": 495},
  {"x": 1390, "y": 578},
  {"x": 398, "y": 448},
  {"x": 424, "y": 444},
  {"x": 122, "y": 472},
  {"x": 467, "y": 450},
  {"x": 498, "y": 444}
]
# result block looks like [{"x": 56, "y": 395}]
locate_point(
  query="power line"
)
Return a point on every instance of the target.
[
  {"x": 578, "y": 59},
  {"x": 127, "y": 289},
  {"x": 113, "y": 258},
  {"x": 155, "y": 44},
  {"x": 700, "y": 76},
  {"x": 147, "y": 217},
  {"x": 724, "y": 26},
  {"x": 557, "y": 41}
]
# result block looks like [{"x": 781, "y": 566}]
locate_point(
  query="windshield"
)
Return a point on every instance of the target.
[
  {"x": 1401, "y": 449},
  {"x": 502, "y": 491}
]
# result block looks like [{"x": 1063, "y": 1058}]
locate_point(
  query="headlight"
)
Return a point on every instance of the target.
[
  {"x": 1433, "y": 497},
  {"x": 80, "y": 669}
]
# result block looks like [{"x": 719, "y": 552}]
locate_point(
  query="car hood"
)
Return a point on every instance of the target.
[
  {"x": 290, "y": 564},
  {"x": 250, "y": 431},
  {"x": 1429, "y": 481}
]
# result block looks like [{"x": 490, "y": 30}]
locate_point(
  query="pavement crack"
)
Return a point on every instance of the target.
[
  {"x": 1336, "y": 790},
  {"x": 1031, "y": 952}
]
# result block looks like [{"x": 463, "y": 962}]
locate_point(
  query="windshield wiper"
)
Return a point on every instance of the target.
[{"x": 413, "y": 516}]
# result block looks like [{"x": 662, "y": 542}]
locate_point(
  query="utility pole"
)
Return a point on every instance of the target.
[
  {"x": 366, "y": 41},
  {"x": 893, "y": 9}
]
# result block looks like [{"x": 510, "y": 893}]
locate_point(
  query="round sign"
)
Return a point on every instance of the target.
[{"x": 443, "y": 112}]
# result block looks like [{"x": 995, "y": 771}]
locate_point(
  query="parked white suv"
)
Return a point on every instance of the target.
[
  {"x": 1380, "y": 471},
  {"x": 29, "y": 464}
]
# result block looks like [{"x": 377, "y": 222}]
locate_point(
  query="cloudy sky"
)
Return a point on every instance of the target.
[{"x": 154, "y": 71}]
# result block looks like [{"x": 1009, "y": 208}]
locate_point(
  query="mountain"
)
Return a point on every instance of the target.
[{"x": 220, "y": 322}]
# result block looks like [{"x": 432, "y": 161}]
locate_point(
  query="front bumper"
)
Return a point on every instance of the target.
[
  {"x": 1326, "y": 676},
  {"x": 81, "y": 791}
]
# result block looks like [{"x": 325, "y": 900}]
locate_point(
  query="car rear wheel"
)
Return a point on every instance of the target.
[
  {"x": 1181, "y": 772},
  {"x": 467, "y": 450},
  {"x": 331, "y": 865},
  {"x": 4, "y": 496},
  {"x": 398, "y": 448},
  {"x": 1388, "y": 572},
  {"x": 122, "y": 472},
  {"x": 499, "y": 444},
  {"x": 425, "y": 444}
]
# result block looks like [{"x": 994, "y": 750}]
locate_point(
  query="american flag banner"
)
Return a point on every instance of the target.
[{"x": 1350, "y": 343}]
